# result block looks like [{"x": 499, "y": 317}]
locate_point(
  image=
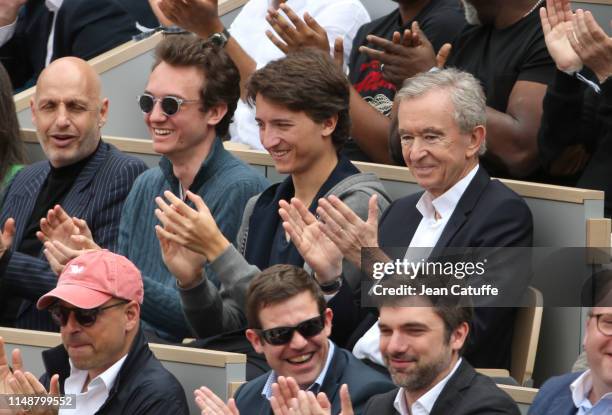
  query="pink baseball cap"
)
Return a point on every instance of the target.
[{"x": 91, "y": 279}]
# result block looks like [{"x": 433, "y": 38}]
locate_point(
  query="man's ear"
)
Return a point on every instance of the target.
[
  {"x": 216, "y": 113},
  {"x": 33, "y": 110},
  {"x": 255, "y": 340},
  {"x": 329, "y": 315},
  {"x": 477, "y": 138},
  {"x": 132, "y": 315},
  {"x": 103, "y": 112},
  {"x": 329, "y": 126},
  {"x": 459, "y": 336}
]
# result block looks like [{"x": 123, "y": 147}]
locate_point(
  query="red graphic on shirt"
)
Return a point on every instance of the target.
[{"x": 374, "y": 80}]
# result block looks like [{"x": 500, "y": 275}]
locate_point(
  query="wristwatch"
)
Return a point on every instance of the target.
[
  {"x": 220, "y": 38},
  {"x": 331, "y": 287}
]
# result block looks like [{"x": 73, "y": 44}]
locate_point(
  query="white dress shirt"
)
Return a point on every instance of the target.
[
  {"x": 425, "y": 403},
  {"x": 581, "y": 388},
  {"x": 93, "y": 398},
  {"x": 340, "y": 18},
  {"x": 427, "y": 235},
  {"x": 7, "y": 32}
]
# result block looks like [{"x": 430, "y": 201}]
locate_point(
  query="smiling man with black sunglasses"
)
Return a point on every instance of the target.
[
  {"x": 104, "y": 361},
  {"x": 290, "y": 324}
]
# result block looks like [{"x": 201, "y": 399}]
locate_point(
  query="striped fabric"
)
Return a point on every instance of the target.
[{"x": 96, "y": 196}]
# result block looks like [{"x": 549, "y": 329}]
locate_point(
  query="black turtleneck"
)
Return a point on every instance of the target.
[{"x": 54, "y": 189}]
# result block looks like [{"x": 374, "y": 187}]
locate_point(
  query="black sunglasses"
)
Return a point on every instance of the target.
[
  {"x": 170, "y": 105},
  {"x": 86, "y": 317},
  {"x": 283, "y": 335}
]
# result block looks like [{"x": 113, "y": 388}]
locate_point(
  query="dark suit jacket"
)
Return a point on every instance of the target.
[
  {"x": 466, "y": 392},
  {"x": 96, "y": 196},
  {"x": 84, "y": 28},
  {"x": 488, "y": 214},
  {"x": 555, "y": 397},
  {"x": 363, "y": 382}
]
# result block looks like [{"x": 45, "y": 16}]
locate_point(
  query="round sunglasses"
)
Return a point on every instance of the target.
[
  {"x": 169, "y": 105},
  {"x": 86, "y": 317},
  {"x": 282, "y": 335}
]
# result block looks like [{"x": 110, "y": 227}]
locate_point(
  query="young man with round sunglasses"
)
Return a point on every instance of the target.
[
  {"x": 104, "y": 360},
  {"x": 290, "y": 324},
  {"x": 187, "y": 104}
]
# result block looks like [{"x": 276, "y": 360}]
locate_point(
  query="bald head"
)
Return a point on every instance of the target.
[
  {"x": 72, "y": 70},
  {"x": 68, "y": 111}
]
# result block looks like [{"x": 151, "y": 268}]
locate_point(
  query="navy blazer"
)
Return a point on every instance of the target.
[
  {"x": 363, "y": 382},
  {"x": 83, "y": 28},
  {"x": 467, "y": 392},
  {"x": 488, "y": 214},
  {"x": 555, "y": 396},
  {"x": 97, "y": 196}
]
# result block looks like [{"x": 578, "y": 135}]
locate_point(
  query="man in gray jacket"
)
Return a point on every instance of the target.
[{"x": 302, "y": 112}]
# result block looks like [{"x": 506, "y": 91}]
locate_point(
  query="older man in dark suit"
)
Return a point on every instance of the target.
[
  {"x": 441, "y": 120},
  {"x": 88, "y": 177},
  {"x": 41, "y": 31}
]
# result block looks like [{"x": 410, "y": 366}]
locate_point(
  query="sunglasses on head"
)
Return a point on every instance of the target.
[
  {"x": 170, "y": 105},
  {"x": 283, "y": 335},
  {"x": 86, "y": 317}
]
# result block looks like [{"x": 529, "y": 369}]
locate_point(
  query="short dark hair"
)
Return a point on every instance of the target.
[
  {"x": 222, "y": 79},
  {"x": 11, "y": 147},
  {"x": 452, "y": 310},
  {"x": 308, "y": 81},
  {"x": 277, "y": 284}
]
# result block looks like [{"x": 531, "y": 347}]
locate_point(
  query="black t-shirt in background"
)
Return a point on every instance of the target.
[
  {"x": 499, "y": 58},
  {"x": 440, "y": 20}
]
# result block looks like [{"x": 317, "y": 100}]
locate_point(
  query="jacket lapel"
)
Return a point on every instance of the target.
[
  {"x": 463, "y": 209},
  {"x": 74, "y": 204},
  {"x": 455, "y": 386}
]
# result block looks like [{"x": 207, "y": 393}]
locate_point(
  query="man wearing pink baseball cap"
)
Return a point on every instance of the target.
[{"x": 105, "y": 360}]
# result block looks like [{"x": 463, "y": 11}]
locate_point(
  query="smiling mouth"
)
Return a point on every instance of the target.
[
  {"x": 278, "y": 153},
  {"x": 300, "y": 360},
  {"x": 161, "y": 132}
]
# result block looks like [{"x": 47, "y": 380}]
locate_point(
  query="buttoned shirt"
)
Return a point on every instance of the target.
[
  {"x": 581, "y": 388},
  {"x": 425, "y": 403},
  {"x": 266, "y": 392},
  {"x": 93, "y": 398}
]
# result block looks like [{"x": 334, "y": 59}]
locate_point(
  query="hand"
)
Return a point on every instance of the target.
[
  {"x": 592, "y": 44},
  {"x": 307, "y": 404},
  {"x": 194, "y": 229},
  {"x": 346, "y": 230},
  {"x": 403, "y": 56},
  {"x": 184, "y": 264},
  {"x": 318, "y": 250},
  {"x": 9, "y": 10},
  {"x": 8, "y": 383},
  {"x": 58, "y": 254},
  {"x": 29, "y": 385},
  {"x": 285, "y": 389},
  {"x": 211, "y": 404},
  {"x": 197, "y": 16},
  {"x": 556, "y": 20},
  {"x": 6, "y": 237},
  {"x": 298, "y": 34},
  {"x": 58, "y": 226}
]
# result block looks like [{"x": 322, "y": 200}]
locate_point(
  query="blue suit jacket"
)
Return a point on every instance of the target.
[
  {"x": 363, "y": 382},
  {"x": 97, "y": 196},
  {"x": 555, "y": 397}
]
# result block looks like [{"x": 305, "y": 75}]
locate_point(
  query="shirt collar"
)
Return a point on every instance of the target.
[
  {"x": 266, "y": 392},
  {"x": 445, "y": 204},
  {"x": 427, "y": 400},
  {"x": 53, "y": 5},
  {"x": 107, "y": 377},
  {"x": 581, "y": 388}
]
